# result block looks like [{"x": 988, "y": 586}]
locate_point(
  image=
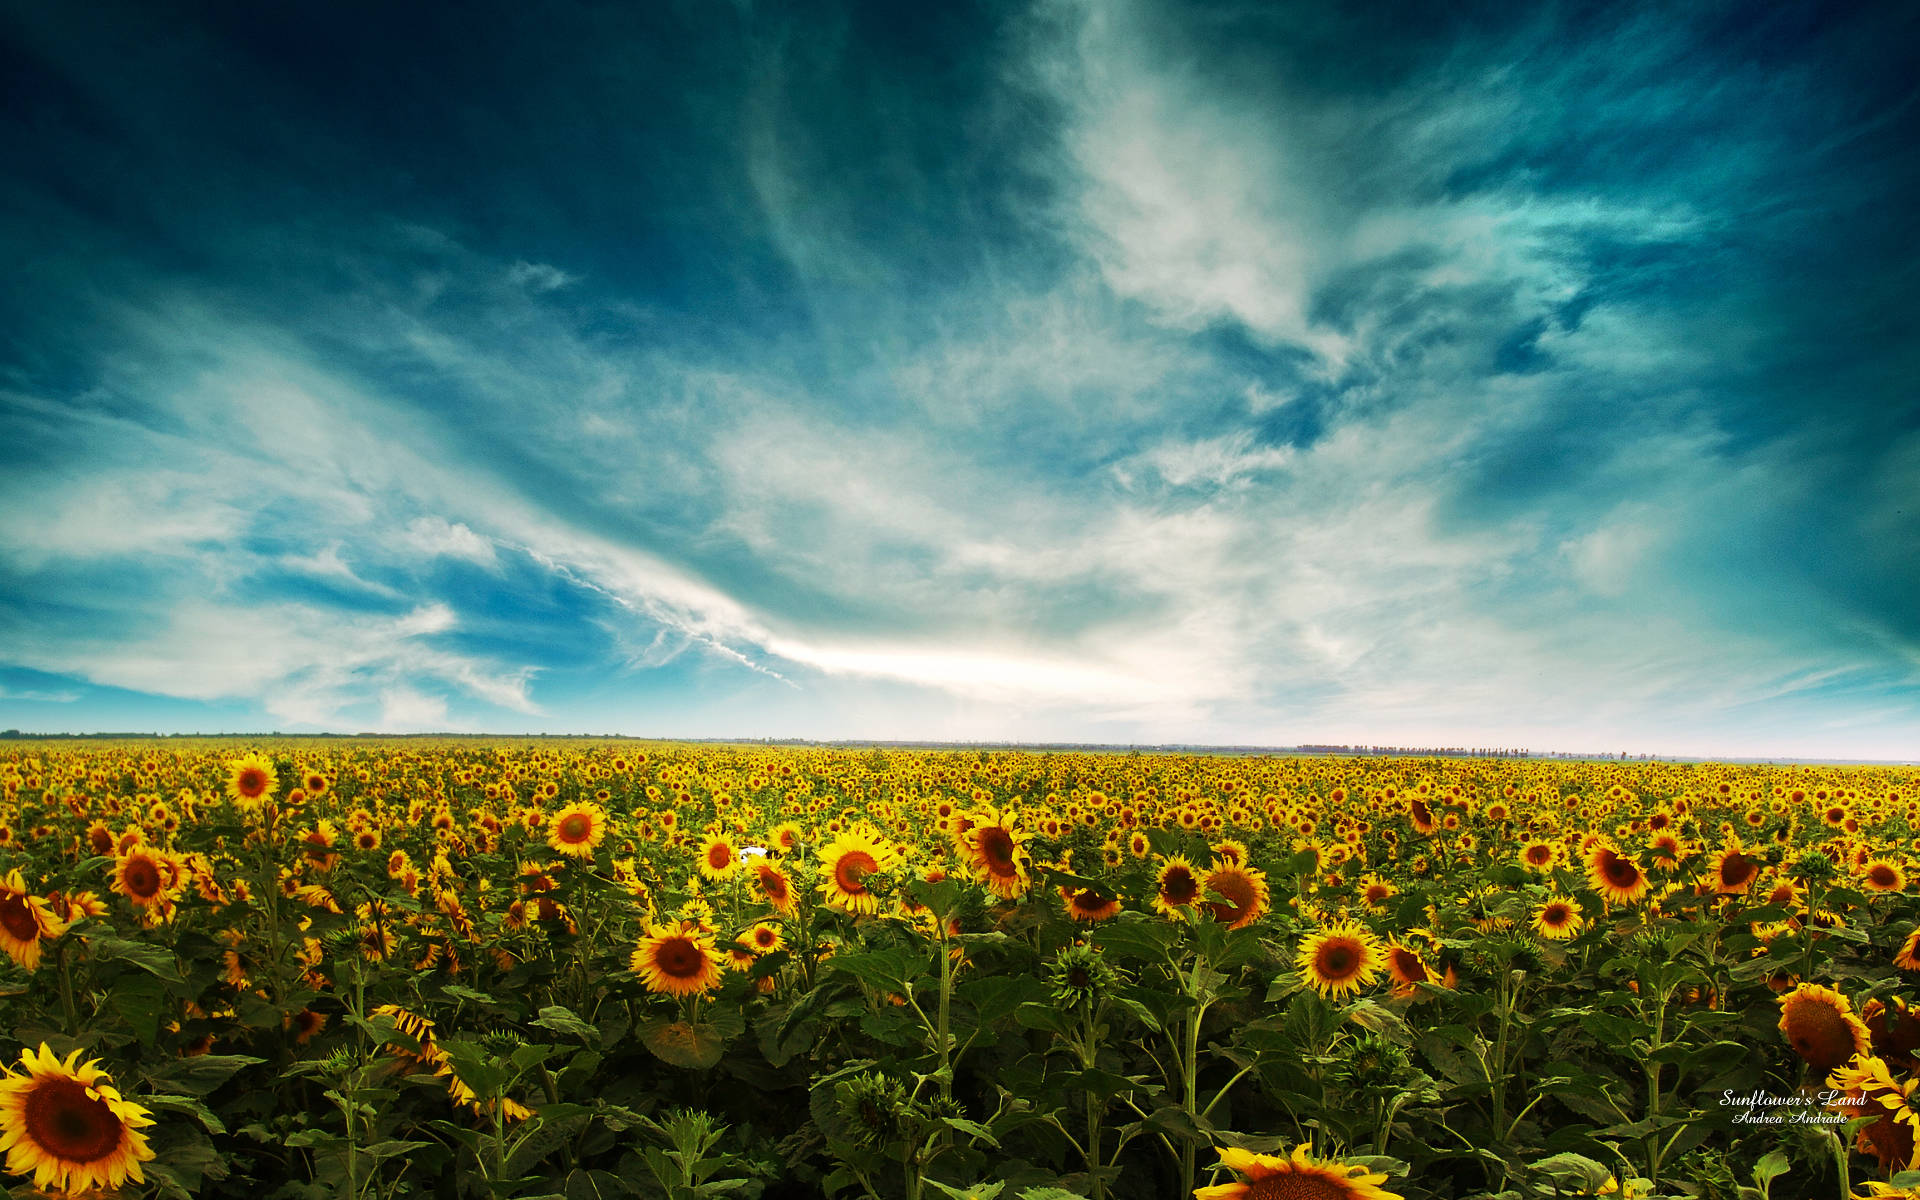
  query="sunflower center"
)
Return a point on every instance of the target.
[
  {"x": 1619, "y": 872},
  {"x": 996, "y": 849},
  {"x": 142, "y": 877},
  {"x": 1737, "y": 869},
  {"x": 679, "y": 958},
  {"x": 1179, "y": 886},
  {"x": 1338, "y": 959},
  {"x": 1883, "y": 876},
  {"x": 17, "y": 920},
  {"x": 852, "y": 870},
  {"x": 1556, "y": 914},
  {"x": 1239, "y": 893},
  {"x": 1538, "y": 855},
  {"x": 252, "y": 782},
  {"x": 576, "y": 828},
  {"x": 719, "y": 856},
  {"x": 68, "y": 1124},
  {"x": 1409, "y": 966},
  {"x": 1295, "y": 1185}
]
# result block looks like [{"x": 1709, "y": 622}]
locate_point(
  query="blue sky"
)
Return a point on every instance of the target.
[{"x": 1099, "y": 371}]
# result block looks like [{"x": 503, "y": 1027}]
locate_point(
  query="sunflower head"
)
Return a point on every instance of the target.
[
  {"x": 67, "y": 1126},
  {"x": 1821, "y": 1027},
  {"x": 1081, "y": 975},
  {"x": 1339, "y": 959},
  {"x": 1298, "y": 1177}
]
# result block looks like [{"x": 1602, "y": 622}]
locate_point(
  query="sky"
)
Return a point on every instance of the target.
[{"x": 1109, "y": 371}]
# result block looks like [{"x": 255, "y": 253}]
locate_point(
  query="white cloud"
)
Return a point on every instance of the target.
[{"x": 434, "y": 537}]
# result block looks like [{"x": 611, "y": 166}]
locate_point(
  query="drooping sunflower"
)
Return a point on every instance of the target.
[
  {"x": 1299, "y": 1177},
  {"x": 775, "y": 885},
  {"x": 1617, "y": 878},
  {"x": 845, "y": 864},
  {"x": 67, "y": 1125},
  {"x": 993, "y": 850},
  {"x": 1406, "y": 966},
  {"x": 1895, "y": 1030},
  {"x": 1907, "y": 957},
  {"x": 675, "y": 961},
  {"x": 1820, "y": 1025},
  {"x": 1175, "y": 886},
  {"x": 251, "y": 779},
  {"x": 577, "y": 830},
  {"x": 1244, "y": 897},
  {"x": 1341, "y": 958},
  {"x": 719, "y": 858},
  {"x": 25, "y": 919},
  {"x": 1089, "y": 904},
  {"x": 1558, "y": 918}
]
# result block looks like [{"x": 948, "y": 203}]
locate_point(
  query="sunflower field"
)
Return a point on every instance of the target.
[{"x": 593, "y": 969}]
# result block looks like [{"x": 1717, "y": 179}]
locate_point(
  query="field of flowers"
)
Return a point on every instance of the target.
[{"x": 594, "y": 969}]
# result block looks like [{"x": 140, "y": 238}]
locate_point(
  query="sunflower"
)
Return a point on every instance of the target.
[
  {"x": 1883, "y": 875},
  {"x": 994, "y": 852},
  {"x": 24, "y": 920},
  {"x": 1891, "y": 1132},
  {"x": 775, "y": 886},
  {"x": 1617, "y": 878},
  {"x": 719, "y": 858},
  {"x": 142, "y": 877},
  {"x": 1340, "y": 958},
  {"x": 1243, "y": 893},
  {"x": 68, "y": 1126},
  {"x": 1733, "y": 870},
  {"x": 251, "y": 780},
  {"x": 1907, "y": 957},
  {"x": 1895, "y": 1030},
  {"x": 1406, "y": 966},
  {"x": 674, "y": 961},
  {"x": 763, "y": 938},
  {"x": 1820, "y": 1026},
  {"x": 1301, "y": 1177},
  {"x": 577, "y": 830},
  {"x": 1175, "y": 886},
  {"x": 1089, "y": 904},
  {"x": 846, "y": 862},
  {"x": 1375, "y": 891},
  {"x": 1558, "y": 918}
]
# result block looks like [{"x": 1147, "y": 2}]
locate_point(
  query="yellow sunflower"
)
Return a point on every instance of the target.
[
  {"x": 251, "y": 780},
  {"x": 1300, "y": 1177},
  {"x": 1733, "y": 870},
  {"x": 1617, "y": 878},
  {"x": 143, "y": 877},
  {"x": 1089, "y": 904},
  {"x": 68, "y": 1126},
  {"x": 993, "y": 850},
  {"x": 577, "y": 830},
  {"x": 1243, "y": 893},
  {"x": 775, "y": 885},
  {"x": 1559, "y": 918},
  {"x": 25, "y": 919},
  {"x": 1175, "y": 886},
  {"x": 719, "y": 858},
  {"x": 845, "y": 864},
  {"x": 675, "y": 961},
  {"x": 1883, "y": 875},
  {"x": 1341, "y": 958}
]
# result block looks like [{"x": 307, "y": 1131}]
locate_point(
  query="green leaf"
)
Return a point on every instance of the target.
[
  {"x": 139, "y": 999},
  {"x": 155, "y": 961},
  {"x": 1576, "y": 1169},
  {"x": 695, "y": 1046},
  {"x": 563, "y": 1020},
  {"x": 1049, "y": 1193},
  {"x": 200, "y": 1074}
]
